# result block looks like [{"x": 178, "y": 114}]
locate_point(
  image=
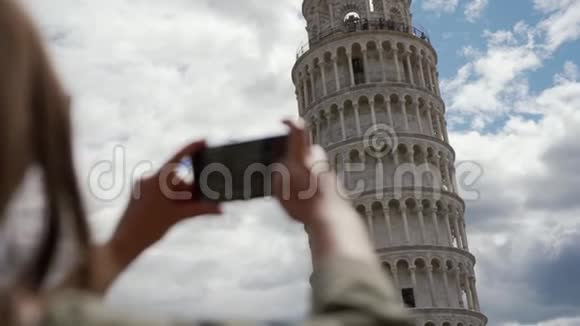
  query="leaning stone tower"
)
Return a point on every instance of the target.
[{"x": 367, "y": 84}]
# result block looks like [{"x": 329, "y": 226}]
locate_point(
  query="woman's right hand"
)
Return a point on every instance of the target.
[
  {"x": 312, "y": 187},
  {"x": 312, "y": 195}
]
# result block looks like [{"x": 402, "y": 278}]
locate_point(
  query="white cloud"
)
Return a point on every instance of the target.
[
  {"x": 570, "y": 73},
  {"x": 486, "y": 87},
  {"x": 440, "y": 6},
  {"x": 474, "y": 9},
  {"x": 554, "y": 322},
  {"x": 562, "y": 322},
  {"x": 563, "y": 24},
  {"x": 469, "y": 52}
]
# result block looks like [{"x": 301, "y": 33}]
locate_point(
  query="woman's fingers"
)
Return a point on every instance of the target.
[
  {"x": 186, "y": 151},
  {"x": 169, "y": 171},
  {"x": 298, "y": 144}
]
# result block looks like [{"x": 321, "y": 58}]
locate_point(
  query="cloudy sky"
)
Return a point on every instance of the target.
[{"x": 149, "y": 76}]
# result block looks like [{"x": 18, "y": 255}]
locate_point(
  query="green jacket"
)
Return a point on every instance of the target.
[{"x": 345, "y": 292}]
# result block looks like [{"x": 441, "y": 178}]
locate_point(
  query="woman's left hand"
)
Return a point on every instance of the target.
[{"x": 157, "y": 204}]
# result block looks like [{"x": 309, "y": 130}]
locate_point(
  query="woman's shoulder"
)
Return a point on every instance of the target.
[
  {"x": 75, "y": 308},
  {"x": 70, "y": 308}
]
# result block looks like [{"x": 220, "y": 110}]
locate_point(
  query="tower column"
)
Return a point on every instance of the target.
[
  {"x": 318, "y": 132},
  {"x": 444, "y": 129},
  {"x": 413, "y": 272},
  {"x": 405, "y": 222},
  {"x": 368, "y": 9},
  {"x": 323, "y": 76},
  {"x": 436, "y": 83},
  {"x": 448, "y": 226},
  {"x": 410, "y": 68},
  {"x": 431, "y": 285},
  {"x": 369, "y": 215},
  {"x": 366, "y": 66},
  {"x": 425, "y": 158},
  {"x": 405, "y": 115},
  {"x": 395, "y": 271},
  {"x": 439, "y": 129},
  {"x": 328, "y": 134},
  {"x": 299, "y": 99},
  {"x": 441, "y": 166},
  {"x": 451, "y": 177},
  {"x": 383, "y": 65},
  {"x": 436, "y": 225},
  {"x": 373, "y": 112},
  {"x": 357, "y": 119},
  {"x": 387, "y": 212},
  {"x": 397, "y": 65},
  {"x": 422, "y": 73},
  {"x": 418, "y": 112},
  {"x": 431, "y": 80},
  {"x": 430, "y": 118},
  {"x": 475, "y": 296},
  {"x": 342, "y": 125},
  {"x": 445, "y": 173},
  {"x": 379, "y": 178},
  {"x": 331, "y": 11},
  {"x": 446, "y": 284},
  {"x": 469, "y": 294},
  {"x": 390, "y": 112},
  {"x": 421, "y": 224},
  {"x": 350, "y": 68},
  {"x": 464, "y": 234},
  {"x": 385, "y": 11},
  {"x": 336, "y": 76},
  {"x": 458, "y": 237},
  {"x": 459, "y": 288}
]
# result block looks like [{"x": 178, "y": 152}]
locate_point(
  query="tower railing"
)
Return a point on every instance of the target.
[{"x": 362, "y": 25}]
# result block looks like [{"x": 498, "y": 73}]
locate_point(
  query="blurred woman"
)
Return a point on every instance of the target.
[{"x": 35, "y": 135}]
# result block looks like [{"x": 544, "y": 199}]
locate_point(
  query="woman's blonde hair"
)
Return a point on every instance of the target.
[{"x": 35, "y": 130}]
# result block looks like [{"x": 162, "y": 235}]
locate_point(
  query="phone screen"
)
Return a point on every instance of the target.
[{"x": 238, "y": 172}]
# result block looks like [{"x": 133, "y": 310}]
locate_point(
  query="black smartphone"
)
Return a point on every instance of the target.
[{"x": 239, "y": 171}]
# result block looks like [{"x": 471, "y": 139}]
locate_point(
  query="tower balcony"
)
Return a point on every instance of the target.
[
  {"x": 439, "y": 281},
  {"x": 364, "y": 60},
  {"x": 361, "y": 25},
  {"x": 410, "y": 221},
  {"x": 447, "y": 317},
  {"x": 403, "y": 110},
  {"x": 451, "y": 257}
]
